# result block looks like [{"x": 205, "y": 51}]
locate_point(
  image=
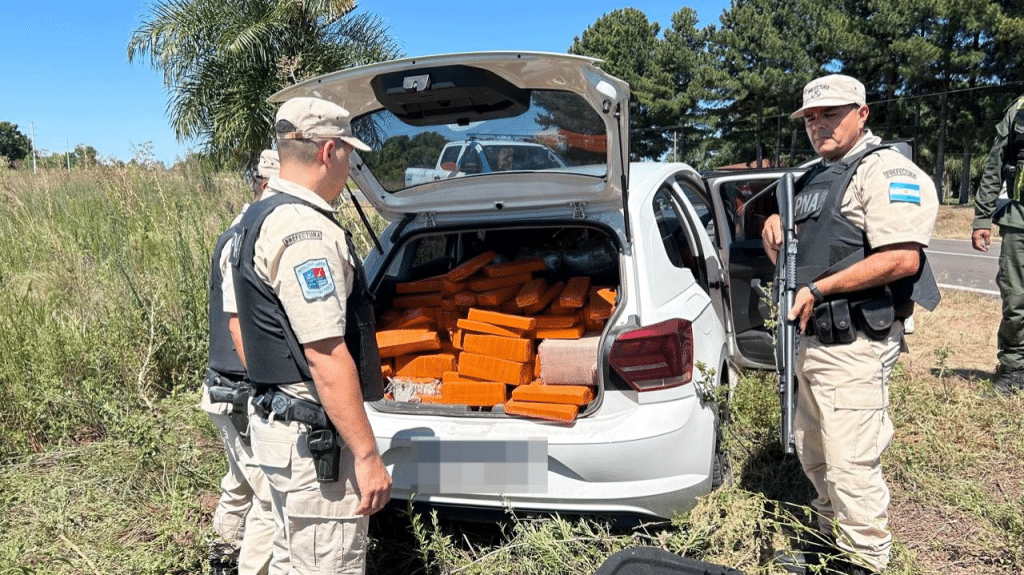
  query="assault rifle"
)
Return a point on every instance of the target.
[{"x": 785, "y": 281}]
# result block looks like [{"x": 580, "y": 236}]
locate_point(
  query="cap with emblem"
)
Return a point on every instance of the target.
[
  {"x": 269, "y": 164},
  {"x": 833, "y": 90},
  {"x": 313, "y": 118}
]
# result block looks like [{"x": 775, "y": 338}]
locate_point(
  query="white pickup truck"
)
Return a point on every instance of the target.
[{"x": 484, "y": 156}]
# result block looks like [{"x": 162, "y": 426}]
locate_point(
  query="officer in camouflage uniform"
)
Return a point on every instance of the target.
[{"x": 1005, "y": 165}]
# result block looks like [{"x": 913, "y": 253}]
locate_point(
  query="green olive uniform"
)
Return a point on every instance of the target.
[{"x": 1010, "y": 219}]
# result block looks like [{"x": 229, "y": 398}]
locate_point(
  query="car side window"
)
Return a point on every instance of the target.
[
  {"x": 673, "y": 236},
  {"x": 704, "y": 210}
]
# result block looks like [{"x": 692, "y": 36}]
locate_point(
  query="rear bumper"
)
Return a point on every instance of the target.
[{"x": 649, "y": 460}]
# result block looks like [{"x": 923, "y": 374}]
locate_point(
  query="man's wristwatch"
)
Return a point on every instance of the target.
[{"x": 818, "y": 296}]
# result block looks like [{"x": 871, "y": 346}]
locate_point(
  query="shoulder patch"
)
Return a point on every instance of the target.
[
  {"x": 315, "y": 279},
  {"x": 899, "y": 173},
  {"x": 904, "y": 192},
  {"x": 298, "y": 237}
]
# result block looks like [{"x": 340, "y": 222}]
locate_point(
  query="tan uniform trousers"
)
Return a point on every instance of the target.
[
  {"x": 841, "y": 429},
  {"x": 243, "y": 515},
  {"x": 321, "y": 532}
]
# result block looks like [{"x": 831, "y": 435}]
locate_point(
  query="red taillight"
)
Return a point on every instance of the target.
[{"x": 655, "y": 357}]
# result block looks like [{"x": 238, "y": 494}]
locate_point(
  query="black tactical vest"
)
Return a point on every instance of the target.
[
  {"x": 829, "y": 242},
  {"x": 223, "y": 358},
  {"x": 273, "y": 353}
]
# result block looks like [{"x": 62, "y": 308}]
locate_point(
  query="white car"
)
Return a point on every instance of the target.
[{"x": 645, "y": 444}]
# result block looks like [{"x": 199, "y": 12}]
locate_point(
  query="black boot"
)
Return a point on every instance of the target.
[
  {"x": 815, "y": 557},
  {"x": 1009, "y": 382}
]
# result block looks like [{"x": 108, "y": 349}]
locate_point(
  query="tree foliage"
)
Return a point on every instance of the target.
[
  {"x": 939, "y": 72},
  {"x": 14, "y": 145},
  {"x": 222, "y": 59}
]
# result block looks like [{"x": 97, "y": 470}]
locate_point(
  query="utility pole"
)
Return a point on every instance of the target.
[{"x": 33, "y": 124}]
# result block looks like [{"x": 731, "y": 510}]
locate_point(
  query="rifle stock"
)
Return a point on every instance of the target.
[{"x": 785, "y": 349}]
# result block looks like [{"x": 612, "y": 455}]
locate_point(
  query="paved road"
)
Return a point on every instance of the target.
[{"x": 957, "y": 265}]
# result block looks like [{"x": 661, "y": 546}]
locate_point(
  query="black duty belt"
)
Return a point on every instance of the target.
[{"x": 287, "y": 408}]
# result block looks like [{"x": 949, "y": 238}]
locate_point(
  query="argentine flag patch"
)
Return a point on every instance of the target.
[
  {"x": 904, "y": 192},
  {"x": 315, "y": 279}
]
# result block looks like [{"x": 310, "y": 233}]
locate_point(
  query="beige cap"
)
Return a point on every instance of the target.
[
  {"x": 834, "y": 90},
  {"x": 316, "y": 118},
  {"x": 269, "y": 164}
]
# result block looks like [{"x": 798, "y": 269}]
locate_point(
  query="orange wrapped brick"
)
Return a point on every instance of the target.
[
  {"x": 600, "y": 305},
  {"x": 481, "y": 327},
  {"x": 512, "y": 349},
  {"x": 502, "y": 319},
  {"x": 557, "y": 321},
  {"x": 448, "y": 304},
  {"x": 575, "y": 292},
  {"x": 574, "y": 332},
  {"x": 395, "y": 342},
  {"x": 549, "y": 411},
  {"x": 488, "y": 284},
  {"x": 512, "y": 268},
  {"x": 417, "y": 300},
  {"x": 497, "y": 297},
  {"x": 594, "y": 325},
  {"x": 421, "y": 286},
  {"x": 386, "y": 369},
  {"x": 549, "y": 295},
  {"x": 494, "y": 369},
  {"x": 432, "y": 365},
  {"x": 414, "y": 317},
  {"x": 568, "y": 394},
  {"x": 558, "y": 309},
  {"x": 605, "y": 293},
  {"x": 465, "y": 299},
  {"x": 456, "y": 376},
  {"x": 470, "y": 266},
  {"x": 510, "y": 307},
  {"x": 530, "y": 293},
  {"x": 477, "y": 393},
  {"x": 451, "y": 288},
  {"x": 435, "y": 399}
]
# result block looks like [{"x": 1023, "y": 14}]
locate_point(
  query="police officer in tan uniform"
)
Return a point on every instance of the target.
[
  {"x": 310, "y": 350},
  {"x": 243, "y": 517},
  {"x": 863, "y": 216}
]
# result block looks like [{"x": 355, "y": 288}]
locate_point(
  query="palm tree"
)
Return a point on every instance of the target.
[{"x": 221, "y": 59}]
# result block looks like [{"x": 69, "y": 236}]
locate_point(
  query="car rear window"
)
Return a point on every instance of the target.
[{"x": 558, "y": 132}]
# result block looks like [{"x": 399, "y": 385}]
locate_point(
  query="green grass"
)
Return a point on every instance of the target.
[{"x": 108, "y": 466}]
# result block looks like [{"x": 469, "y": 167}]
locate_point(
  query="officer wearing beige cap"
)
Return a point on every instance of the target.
[
  {"x": 863, "y": 215},
  {"x": 243, "y": 518},
  {"x": 306, "y": 325}
]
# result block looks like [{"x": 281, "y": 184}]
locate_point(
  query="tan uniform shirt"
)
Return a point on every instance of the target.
[
  {"x": 304, "y": 258},
  {"x": 890, "y": 198}
]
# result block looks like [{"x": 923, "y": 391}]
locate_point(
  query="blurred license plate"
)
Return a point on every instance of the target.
[{"x": 479, "y": 465}]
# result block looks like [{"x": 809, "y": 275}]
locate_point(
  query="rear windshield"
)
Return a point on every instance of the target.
[{"x": 558, "y": 132}]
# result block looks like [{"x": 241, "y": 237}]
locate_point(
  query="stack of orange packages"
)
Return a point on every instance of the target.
[{"x": 469, "y": 336}]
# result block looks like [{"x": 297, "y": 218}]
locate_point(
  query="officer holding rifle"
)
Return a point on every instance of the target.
[
  {"x": 862, "y": 215},
  {"x": 306, "y": 324}
]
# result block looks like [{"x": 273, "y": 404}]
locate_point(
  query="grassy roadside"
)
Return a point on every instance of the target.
[{"x": 108, "y": 466}]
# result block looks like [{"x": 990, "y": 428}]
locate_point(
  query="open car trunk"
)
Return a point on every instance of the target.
[{"x": 497, "y": 322}]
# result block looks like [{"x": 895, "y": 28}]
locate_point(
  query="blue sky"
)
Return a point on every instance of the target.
[{"x": 67, "y": 77}]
